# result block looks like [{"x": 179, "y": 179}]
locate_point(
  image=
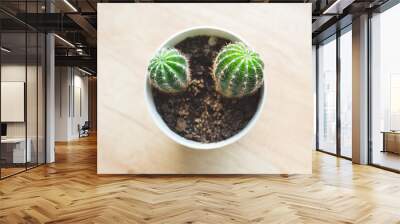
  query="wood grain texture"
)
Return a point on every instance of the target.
[
  {"x": 130, "y": 142},
  {"x": 70, "y": 191}
]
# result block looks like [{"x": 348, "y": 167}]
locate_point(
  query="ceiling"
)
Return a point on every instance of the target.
[{"x": 75, "y": 22}]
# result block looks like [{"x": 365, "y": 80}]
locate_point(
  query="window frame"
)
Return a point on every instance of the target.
[{"x": 334, "y": 37}]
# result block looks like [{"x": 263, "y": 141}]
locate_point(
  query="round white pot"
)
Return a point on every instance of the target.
[{"x": 171, "y": 42}]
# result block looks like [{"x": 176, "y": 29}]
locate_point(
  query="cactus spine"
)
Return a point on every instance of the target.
[
  {"x": 169, "y": 71},
  {"x": 238, "y": 71}
]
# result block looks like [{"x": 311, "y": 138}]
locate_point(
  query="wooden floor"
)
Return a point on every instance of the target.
[
  {"x": 69, "y": 191},
  {"x": 5, "y": 172}
]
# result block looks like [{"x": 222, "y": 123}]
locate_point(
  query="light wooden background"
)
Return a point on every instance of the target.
[{"x": 128, "y": 140}]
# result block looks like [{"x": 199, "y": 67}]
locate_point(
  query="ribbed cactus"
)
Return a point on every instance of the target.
[
  {"x": 169, "y": 71},
  {"x": 238, "y": 71}
]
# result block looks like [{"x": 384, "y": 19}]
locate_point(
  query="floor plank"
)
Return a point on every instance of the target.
[{"x": 70, "y": 191}]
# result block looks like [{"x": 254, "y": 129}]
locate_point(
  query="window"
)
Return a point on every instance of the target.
[
  {"x": 333, "y": 77},
  {"x": 327, "y": 96},
  {"x": 385, "y": 89},
  {"x": 346, "y": 93},
  {"x": 394, "y": 102},
  {"x": 22, "y": 77}
]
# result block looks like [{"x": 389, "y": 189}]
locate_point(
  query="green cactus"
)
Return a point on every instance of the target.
[
  {"x": 169, "y": 71},
  {"x": 238, "y": 71}
]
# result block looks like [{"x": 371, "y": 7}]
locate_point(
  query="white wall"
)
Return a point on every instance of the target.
[
  {"x": 62, "y": 81},
  {"x": 71, "y": 102},
  {"x": 80, "y": 109}
]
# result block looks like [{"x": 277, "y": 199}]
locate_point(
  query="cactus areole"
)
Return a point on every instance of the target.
[
  {"x": 237, "y": 71},
  {"x": 169, "y": 71}
]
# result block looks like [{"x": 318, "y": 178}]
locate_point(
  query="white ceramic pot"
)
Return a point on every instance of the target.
[{"x": 171, "y": 42}]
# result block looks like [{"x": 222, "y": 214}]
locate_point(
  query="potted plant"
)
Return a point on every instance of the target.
[{"x": 205, "y": 87}]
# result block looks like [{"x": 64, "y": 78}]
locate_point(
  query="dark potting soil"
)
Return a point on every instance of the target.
[{"x": 200, "y": 113}]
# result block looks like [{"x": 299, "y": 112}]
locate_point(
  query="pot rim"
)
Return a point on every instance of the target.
[{"x": 156, "y": 117}]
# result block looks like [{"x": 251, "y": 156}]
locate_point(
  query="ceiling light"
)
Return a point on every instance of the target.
[
  {"x": 70, "y": 5},
  {"x": 79, "y": 51},
  {"x": 84, "y": 71},
  {"x": 5, "y": 50},
  {"x": 338, "y": 6},
  {"x": 65, "y": 41}
]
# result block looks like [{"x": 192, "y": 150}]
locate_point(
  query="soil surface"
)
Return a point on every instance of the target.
[{"x": 200, "y": 113}]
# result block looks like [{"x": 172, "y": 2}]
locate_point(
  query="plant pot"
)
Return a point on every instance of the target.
[{"x": 171, "y": 42}]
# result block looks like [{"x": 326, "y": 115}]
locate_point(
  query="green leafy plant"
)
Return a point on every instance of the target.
[
  {"x": 237, "y": 71},
  {"x": 169, "y": 71}
]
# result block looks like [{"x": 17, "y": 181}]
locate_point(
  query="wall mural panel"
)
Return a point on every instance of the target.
[{"x": 204, "y": 89}]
